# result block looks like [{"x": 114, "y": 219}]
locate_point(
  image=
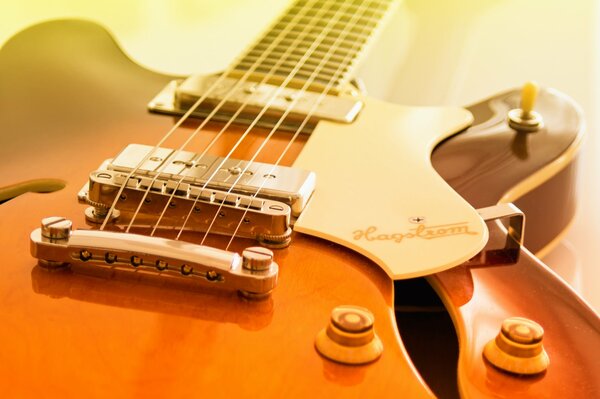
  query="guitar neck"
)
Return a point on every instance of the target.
[{"x": 316, "y": 44}]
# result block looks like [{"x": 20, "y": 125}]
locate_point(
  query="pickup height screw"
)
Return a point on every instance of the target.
[
  {"x": 85, "y": 255},
  {"x": 110, "y": 258},
  {"x": 136, "y": 261},
  {"x": 161, "y": 265},
  {"x": 212, "y": 275}
]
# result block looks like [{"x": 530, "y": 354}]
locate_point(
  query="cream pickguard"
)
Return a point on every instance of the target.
[{"x": 375, "y": 183}]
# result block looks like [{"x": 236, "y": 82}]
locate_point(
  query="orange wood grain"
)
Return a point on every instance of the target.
[
  {"x": 66, "y": 333},
  {"x": 480, "y": 298}
]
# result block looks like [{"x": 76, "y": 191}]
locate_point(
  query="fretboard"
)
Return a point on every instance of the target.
[{"x": 316, "y": 44}]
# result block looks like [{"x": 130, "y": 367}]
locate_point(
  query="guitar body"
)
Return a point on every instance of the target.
[
  {"x": 69, "y": 97},
  {"x": 66, "y": 333}
]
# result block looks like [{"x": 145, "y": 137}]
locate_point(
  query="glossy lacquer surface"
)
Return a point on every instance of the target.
[
  {"x": 537, "y": 172},
  {"x": 68, "y": 334}
]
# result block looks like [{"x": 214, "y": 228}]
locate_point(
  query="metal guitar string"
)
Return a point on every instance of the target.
[
  {"x": 296, "y": 41},
  {"x": 301, "y": 62},
  {"x": 248, "y": 73},
  {"x": 298, "y": 131},
  {"x": 271, "y": 73},
  {"x": 201, "y": 99},
  {"x": 280, "y": 37}
]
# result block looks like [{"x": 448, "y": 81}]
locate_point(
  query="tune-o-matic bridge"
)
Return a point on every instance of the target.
[
  {"x": 231, "y": 196},
  {"x": 55, "y": 244}
]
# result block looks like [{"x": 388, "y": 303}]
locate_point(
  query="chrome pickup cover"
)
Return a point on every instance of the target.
[
  {"x": 211, "y": 193},
  {"x": 279, "y": 183},
  {"x": 178, "y": 96}
]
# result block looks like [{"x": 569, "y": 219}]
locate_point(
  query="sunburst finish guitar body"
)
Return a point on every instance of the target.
[{"x": 70, "y": 100}]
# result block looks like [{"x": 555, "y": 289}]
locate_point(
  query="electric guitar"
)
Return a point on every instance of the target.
[{"x": 220, "y": 242}]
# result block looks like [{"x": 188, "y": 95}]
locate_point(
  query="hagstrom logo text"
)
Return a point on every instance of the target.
[{"x": 421, "y": 231}]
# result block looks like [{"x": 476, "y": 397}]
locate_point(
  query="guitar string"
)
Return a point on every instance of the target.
[
  {"x": 307, "y": 54},
  {"x": 209, "y": 117},
  {"x": 298, "y": 40},
  {"x": 280, "y": 37},
  {"x": 205, "y": 122},
  {"x": 203, "y": 98},
  {"x": 267, "y": 76},
  {"x": 347, "y": 29},
  {"x": 339, "y": 71}
]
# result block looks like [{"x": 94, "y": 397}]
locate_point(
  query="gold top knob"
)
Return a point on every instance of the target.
[
  {"x": 525, "y": 119},
  {"x": 518, "y": 347},
  {"x": 350, "y": 337},
  {"x": 352, "y": 319},
  {"x": 522, "y": 330}
]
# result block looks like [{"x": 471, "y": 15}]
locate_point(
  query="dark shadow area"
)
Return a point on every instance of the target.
[{"x": 428, "y": 335}]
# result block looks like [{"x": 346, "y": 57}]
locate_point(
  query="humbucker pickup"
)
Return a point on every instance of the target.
[
  {"x": 178, "y": 96},
  {"x": 254, "y": 200}
]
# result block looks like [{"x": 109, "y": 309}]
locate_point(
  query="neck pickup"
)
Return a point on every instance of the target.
[{"x": 297, "y": 109}]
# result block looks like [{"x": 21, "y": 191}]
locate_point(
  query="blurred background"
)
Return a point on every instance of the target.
[{"x": 433, "y": 52}]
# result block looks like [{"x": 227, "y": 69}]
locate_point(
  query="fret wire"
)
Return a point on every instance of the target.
[
  {"x": 299, "y": 51},
  {"x": 298, "y": 5},
  {"x": 250, "y": 127},
  {"x": 300, "y": 75},
  {"x": 322, "y": 23},
  {"x": 286, "y": 69},
  {"x": 229, "y": 72},
  {"x": 339, "y": 55},
  {"x": 311, "y": 112},
  {"x": 273, "y": 130},
  {"x": 333, "y": 33},
  {"x": 326, "y": 70},
  {"x": 369, "y": 13},
  {"x": 337, "y": 29},
  {"x": 346, "y": 19},
  {"x": 370, "y": 16},
  {"x": 328, "y": 41},
  {"x": 292, "y": 60}
]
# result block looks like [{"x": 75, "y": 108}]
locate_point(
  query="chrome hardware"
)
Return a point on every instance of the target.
[
  {"x": 512, "y": 221},
  {"x": 516, "y": 220},
  {"x": 175, "y": 180},
  {"x": 288, "y": 185},
  {"x": 260, "y": 219},
  {"x": 257, "y": 258},
  {"x": 178, "y": 177},
  {"x": 56, "y": 229},
  {"x": 179, "y": 95},
  {"x": 160, "y": 256}
]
